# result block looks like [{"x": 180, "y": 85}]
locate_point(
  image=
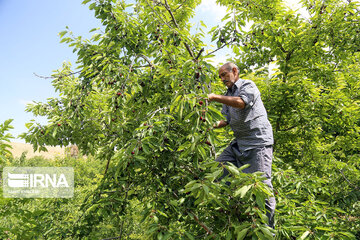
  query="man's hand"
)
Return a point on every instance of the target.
[
  {"x": 211, "y": 97},
  {"x": 220, "y": 124}
]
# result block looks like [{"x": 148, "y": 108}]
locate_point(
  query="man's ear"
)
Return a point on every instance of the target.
[{"x": 235, "y": 71}]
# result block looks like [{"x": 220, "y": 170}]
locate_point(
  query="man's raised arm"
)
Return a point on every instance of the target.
[{"x": 236, "y": 102}]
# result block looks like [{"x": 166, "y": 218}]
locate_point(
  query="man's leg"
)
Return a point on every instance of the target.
[
  {"x": 227, "y": 156},
  {"x": 260, "y": 160}
]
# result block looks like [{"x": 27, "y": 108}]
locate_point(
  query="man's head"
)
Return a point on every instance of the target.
[{"x": 229, "y": 74}]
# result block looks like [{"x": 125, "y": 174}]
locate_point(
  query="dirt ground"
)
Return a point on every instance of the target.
[{"x": 19, "y": 148}]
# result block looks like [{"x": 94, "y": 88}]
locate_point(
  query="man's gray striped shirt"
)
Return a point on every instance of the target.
[{"x": 250, "y": 125}]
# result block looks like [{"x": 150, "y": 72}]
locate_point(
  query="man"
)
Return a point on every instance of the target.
[{"x": 247, "y": 117}]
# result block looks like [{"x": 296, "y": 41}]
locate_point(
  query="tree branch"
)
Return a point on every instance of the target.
[
  {"x": 184, "y": 1},
  {"x": 356, "y": 187},
  {"x": 153, "y": 113},
  {"x": 174, "y": 21},
  {"x": 207, "y": 229},
  {"x": 67, "y": 75},
  {"x": 287, "y": 129},
  {"x": 147, "y": 60},
  {"x": 217, "y": 49},
  {"x": 107, "y": 166},
  {"x": 199, "y": 54},
  {"x": 171, "y": 14},
  {"x": 177, "y": 26}
]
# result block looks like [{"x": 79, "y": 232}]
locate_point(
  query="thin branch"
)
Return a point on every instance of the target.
[
  {"x": 281, "y": 47},
  {"x": 207, "y": 229},
  {"x": 144, "y": 66},
  {"x": 147, "y": 60},
  {"x": 356, "y": 187},
  {"x": 279, "y": 44},
  {"x": 66, "y": 75},
  {"x": 141, "y": 55},
  {"x": 153, "y": 113},
  {"x": 177, "y": 26},
  {"x": 171, "y": 14},
  {"x": 158, "y": 15},
  {"x": 287, "y": 129},
  {"x": 217, "y": 49},
  {"x": 199, "y": 54},
  {"x": 107, "y": 166},
  {"x": 121, "y": 228},
  {"x": 166, "y": 23},
  {"x": 122, "y": 223},
  {"x": 109, "y": 192},
  {"x": 180, "y": 5}
]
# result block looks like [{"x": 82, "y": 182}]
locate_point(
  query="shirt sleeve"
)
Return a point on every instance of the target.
[{"x": 248, "y": 92}]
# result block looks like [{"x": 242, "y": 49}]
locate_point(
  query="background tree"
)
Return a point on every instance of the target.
[
  {"x": 137, "y": 102},
  {"x": 5, "y": 139}
]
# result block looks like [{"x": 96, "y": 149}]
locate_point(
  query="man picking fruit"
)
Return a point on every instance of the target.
[{"x": 247, "y": 117}]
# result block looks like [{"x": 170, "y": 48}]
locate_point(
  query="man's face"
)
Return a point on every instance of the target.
[{"x": 228, "y": 78}]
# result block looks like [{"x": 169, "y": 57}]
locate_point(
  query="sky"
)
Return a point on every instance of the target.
[{"x": 29, "y": 44}]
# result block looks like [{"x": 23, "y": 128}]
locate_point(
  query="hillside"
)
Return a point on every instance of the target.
[{"x": 19, "y": 148}]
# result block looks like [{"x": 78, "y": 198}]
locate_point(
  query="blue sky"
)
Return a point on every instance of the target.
[{"x": 29, "y": 44}]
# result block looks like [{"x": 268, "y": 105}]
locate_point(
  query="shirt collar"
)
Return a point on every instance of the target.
[{"x": 237, "y": 85}]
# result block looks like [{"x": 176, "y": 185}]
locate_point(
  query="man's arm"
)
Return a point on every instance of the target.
[{"x": 236, "y": 102}]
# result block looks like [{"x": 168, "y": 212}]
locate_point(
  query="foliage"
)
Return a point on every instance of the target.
[
  {"x": 139, "y": 104},
  {"x": 4, "y": 127},
  {"x": 48, "y": 218}
]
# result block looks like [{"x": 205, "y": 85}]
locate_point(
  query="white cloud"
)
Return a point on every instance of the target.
[
  {"x": 295, "y": 5},
  {"x": 212, "y": 9}
]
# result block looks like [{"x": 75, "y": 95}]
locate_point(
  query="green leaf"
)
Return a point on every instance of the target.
[
  {"x": 214, "y": 175},
  {"x": 232, "y": 169},
  {"x": 162, "y": 213},
  {"x": 189, "y": 236},
  {"x": 323, "y": 228},
  {"x": 339, "y": 210},
  {"x": 55, "y": 132},
  {"x": 62, "y": 33},
  {"x": 349, "y": 235},
  {"x": 260, "y": 235},
  {"x": 190, "y": 184},
  {"x": 189, "y": 115},
  {"x": 242, "y": 234},
  {"x": 242, "y": 191},
  {"x": 267, "y": 232},
  {"x": 28, "y": 125},
  {"x": 304, "y": 235},
  {"x": 260, "y": 199},
  {"x": 244, "y": 166},
  {"x": 203, "y": 24}
]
